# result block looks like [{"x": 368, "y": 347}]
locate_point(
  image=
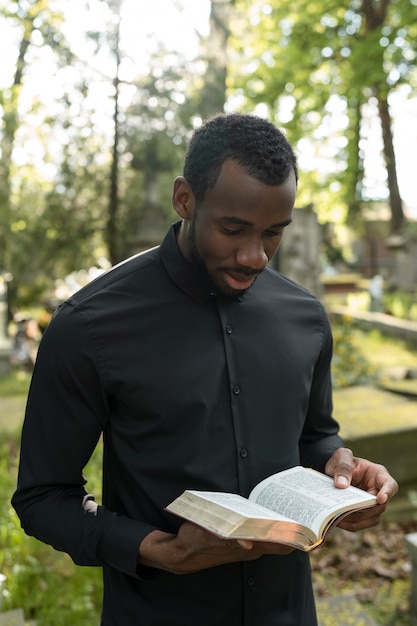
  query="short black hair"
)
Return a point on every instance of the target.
[{"x": 255, "y": 143}]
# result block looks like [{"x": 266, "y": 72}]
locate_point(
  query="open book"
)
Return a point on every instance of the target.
[{"x": 297, "y": 507}]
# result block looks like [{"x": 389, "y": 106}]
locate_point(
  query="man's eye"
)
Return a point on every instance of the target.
[
  {"x": 232, "y": 231},
  {"x": 274, "y": 233}
]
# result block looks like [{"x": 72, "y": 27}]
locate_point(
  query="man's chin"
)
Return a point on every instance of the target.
[
  {"x": 229, "y": 285},
  {"x": 227, "y": 291},
  {"x": 217, "y": 280},
  {"x": 231, "y": 293}
]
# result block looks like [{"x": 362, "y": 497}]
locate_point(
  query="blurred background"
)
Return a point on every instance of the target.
[{"x": 98, "y": 99}]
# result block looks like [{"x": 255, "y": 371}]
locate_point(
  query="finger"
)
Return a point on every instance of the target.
[
  {"x": 341, "y": 466},
  {"x": 388, "y": 489},
  {"x": 232, "y": 544},
  {"x": 360, "y": 524},
  {"x": 382, "y": 497},
  {"x": 376, "y": 480},
  {"x": 363, "y": 519}
]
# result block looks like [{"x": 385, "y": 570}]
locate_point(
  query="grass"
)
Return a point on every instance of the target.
[
  {"x": 385, "y": 352},
  {"x": 43, "y": 582},
  {"x": 55, "y": 592},
  {"x": 17, "y": 384}
]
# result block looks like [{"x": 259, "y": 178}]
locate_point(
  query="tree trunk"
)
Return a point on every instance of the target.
[
  {"x": 354, "y": 165},
  {"x": 112, "y": 231},
  {"x": 214, "y": 52},
  {"x": 397, "y": 214},
  {"x": 8, "y": 133},
  {"x": 375, "y": 13}
]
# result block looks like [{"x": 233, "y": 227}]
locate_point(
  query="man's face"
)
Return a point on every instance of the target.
[{"x": 237, "y": 228}]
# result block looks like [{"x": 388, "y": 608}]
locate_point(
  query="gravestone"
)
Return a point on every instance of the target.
[
  {"x": 150, "y": 229},
  {"x": 299, "y": 254},
  {"x": 403, "y": 274}
]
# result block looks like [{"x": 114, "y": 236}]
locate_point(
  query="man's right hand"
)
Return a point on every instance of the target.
[{"x": 194, "y": 549}]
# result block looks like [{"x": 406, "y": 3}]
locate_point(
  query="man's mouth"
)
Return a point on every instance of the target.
[{"x": 239, "y": 280}]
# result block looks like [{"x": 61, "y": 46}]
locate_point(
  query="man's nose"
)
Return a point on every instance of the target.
[{"x": 252, "y": 255}]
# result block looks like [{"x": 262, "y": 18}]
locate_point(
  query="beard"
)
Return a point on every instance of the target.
[{"x": 218, "y": 286}]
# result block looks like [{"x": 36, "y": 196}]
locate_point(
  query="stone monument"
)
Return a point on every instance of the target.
[
  {"x": 299, "y": 254},
  {"x": 403, "y": 275}
]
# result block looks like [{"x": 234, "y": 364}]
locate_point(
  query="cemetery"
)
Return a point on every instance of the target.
[{"x": 98, "y": 101}]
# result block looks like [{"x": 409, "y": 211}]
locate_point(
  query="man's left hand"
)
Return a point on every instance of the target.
[{"x": 346, "y": 470}]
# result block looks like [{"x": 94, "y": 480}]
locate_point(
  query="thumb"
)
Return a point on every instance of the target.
[
  {"x": 341, "y": 480},
  {"x": 341, "y": 465}
]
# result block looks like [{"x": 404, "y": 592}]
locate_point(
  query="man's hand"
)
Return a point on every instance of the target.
[
  {"x": 194, "y": 549},
  {"x": 347, "y": 469}
]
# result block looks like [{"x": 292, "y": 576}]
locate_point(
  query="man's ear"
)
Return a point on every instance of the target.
[{"x": 183, "y": 199}]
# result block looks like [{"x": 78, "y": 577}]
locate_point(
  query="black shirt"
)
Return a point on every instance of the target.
[{"x": 190, "y": 391}]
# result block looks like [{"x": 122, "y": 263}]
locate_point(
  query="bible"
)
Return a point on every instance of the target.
[{"x": 297, "y": 507}]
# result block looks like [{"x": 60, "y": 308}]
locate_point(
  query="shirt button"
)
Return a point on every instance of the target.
[
  {"x": 229, "y": 329},
  {"x": 236, "y": 390},
  {"x": 251, "y": 581},
  {"x": 243, "y": 453}
]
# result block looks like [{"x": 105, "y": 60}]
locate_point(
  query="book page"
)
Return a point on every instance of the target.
[
  {"x": 305, "y": 496},
  {"x": 239, "y": 504}
]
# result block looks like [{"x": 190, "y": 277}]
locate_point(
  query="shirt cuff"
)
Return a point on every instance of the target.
[{"x": 119, "y": 544}]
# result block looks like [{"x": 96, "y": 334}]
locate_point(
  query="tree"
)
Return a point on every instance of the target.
[
  {"x": 25, "y": 18},
  {"x": 112, "y": 242},
  {"x": 214, "y": 54},
  {"x": 303, "y": 59},
  {"x": 154, "y": 136},
  {"x": 52, "y": 203},
  {"x": 111, "y": 38},
  {"x": 375, "y": 15},
  {"x": 101, "y": 167},
  {"x": 174, "y": 97}
]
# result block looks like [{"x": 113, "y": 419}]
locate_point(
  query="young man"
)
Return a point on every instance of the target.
[{"x": 204, "y": 369}]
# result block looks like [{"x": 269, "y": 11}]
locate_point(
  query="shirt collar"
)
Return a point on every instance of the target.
[{"x": 184, "y": 274}]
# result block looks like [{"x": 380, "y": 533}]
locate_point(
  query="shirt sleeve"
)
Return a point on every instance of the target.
[
  {"x": 320, "y": 438},
  {"x": 66, "y": 412}
]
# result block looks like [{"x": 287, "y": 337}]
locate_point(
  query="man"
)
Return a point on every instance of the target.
[{"x": 204, "y": 369}]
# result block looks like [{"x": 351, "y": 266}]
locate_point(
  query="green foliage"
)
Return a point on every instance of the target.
[
  {"x": 298, "y": 58},
  {"x": 17, "y": 384},
  {"x": 349, "y": 365},
  {"x": 401, "y": 304},
  {"x": 44, "y": 217},
  {"x": 310, "y": 64},
  {"x": 54, "y": 202},
  {"x": 44, "y": 583}
]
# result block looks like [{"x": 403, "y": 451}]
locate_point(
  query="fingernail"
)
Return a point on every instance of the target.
[{"x": 342, "y": 480}]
